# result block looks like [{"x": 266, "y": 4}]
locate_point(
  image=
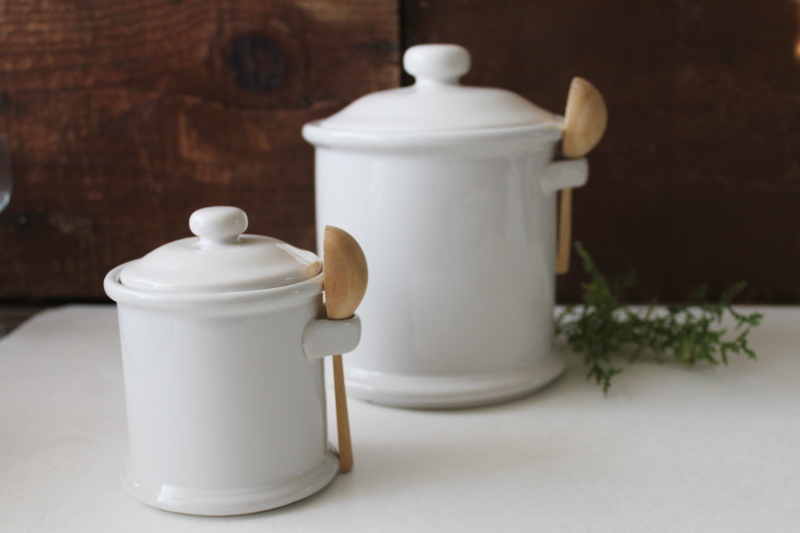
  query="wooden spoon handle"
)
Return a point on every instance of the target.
[
  {"x": 564, "y": 232},
  {"x": 342, "y": 417}
]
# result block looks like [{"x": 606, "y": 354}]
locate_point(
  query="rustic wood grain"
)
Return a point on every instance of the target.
[
  {"x": 698, "y": 176},
  {"x": 123, "y": 117}
]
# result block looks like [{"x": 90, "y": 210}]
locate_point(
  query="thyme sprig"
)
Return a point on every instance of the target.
[{"x": 604, "y": 329}]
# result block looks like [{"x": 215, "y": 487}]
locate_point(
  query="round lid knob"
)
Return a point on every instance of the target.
[
  {"x": 222, "y": 259},
  {"x": 218, "y": 224},
  {"x": 437, "y": 64}
]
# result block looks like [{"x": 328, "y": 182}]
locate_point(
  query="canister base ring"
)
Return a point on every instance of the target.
[
  {"x": 447, "y": 392},
  {"x": 229, "y": 502}
]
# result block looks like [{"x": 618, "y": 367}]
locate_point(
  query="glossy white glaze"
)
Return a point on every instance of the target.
[
  {"x": 224, "y": 390},
  {"x": 226, "y": 413},
  {"x": 461, "y": 253},
  {"x": 570, "y": 173},
  {"x": 218, "y": 224},
  {"x": 459, "y": 230},
  {"x": 437, "y": 101},
  {"x": 321, "y": 335},
  {"x": 220, "y": 259}
]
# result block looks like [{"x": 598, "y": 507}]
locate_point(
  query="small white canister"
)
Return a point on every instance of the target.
[
  {"x": 222, "y": 338},
  {"x": 450, "y": 191}
]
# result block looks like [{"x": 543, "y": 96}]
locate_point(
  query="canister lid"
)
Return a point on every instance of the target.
[
  {"x": 220, "y": 259},
  {"x": 437, "y": 101}
]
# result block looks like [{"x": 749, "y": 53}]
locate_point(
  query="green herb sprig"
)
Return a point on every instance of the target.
[{"x": 603, "y": 327}]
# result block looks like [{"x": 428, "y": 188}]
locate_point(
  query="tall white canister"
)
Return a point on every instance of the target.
[
  {"x": 222, "y": 338},
  {"x": 451, "y": 192}
]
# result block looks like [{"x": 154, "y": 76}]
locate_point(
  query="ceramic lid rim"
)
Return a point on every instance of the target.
[
  {"x": 193, "y": 302},
  {"x": 319, "y": 135}
]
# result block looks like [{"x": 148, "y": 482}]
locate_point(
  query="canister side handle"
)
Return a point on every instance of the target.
[
  {"x": 565, "y": 174},
  {"x": 324, "y": 337}
]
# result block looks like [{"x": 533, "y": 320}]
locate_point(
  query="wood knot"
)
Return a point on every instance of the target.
[{"x": 257, "y": 63}]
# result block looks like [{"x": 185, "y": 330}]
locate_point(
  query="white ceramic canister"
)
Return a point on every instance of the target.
[
  {"x": 450, "y": 190},
  {"x": 222, "y": 338}
]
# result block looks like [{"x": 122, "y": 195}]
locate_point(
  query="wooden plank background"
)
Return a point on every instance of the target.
[
  {"x": 698, "y": 178},
  {"x": 125, "y": 116}
]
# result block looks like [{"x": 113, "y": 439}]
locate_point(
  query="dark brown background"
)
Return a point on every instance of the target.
[{"x": 125, "y": 116}]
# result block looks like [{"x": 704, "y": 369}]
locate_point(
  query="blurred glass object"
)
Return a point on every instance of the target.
[
  {"x": 5, "y": 186},
  {"x": 5, "y": 172}
]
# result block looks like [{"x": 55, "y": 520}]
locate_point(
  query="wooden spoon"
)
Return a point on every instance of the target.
[
  {"x": 345, "y": 284},
  {"x": 584, "y": 125}
]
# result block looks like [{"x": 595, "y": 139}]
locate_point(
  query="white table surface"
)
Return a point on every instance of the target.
[{"x": 670, "y": 449}]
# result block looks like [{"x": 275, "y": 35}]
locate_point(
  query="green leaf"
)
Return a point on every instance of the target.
[{"x": 604, "y": 327}]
